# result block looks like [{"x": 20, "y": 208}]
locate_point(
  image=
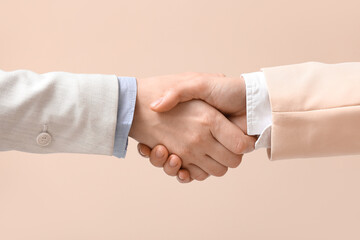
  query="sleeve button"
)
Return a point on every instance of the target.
[{"x": 43, "y": 139}]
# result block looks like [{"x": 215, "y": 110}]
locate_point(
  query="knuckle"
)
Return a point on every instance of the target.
[
  {"x": 198, "y": 78},
  {"x": 206, "y": 119},
  {"x": 173, "y": 91},
  {"x": 196, "y": 139},
  {"x": 201, "y": 83},
  {"x": 185, "y": 152}
]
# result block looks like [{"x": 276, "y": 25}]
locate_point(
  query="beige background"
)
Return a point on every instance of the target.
[{"x": 69, "y": 196}]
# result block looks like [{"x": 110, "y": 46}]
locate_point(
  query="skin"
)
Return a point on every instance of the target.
[
  {"x": 210, "y": 143},
  {"x": 226, "y": 94},
  {"x": 163, "y": 161}
]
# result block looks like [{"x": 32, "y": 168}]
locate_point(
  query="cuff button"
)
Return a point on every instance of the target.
[{"x": 43, "y": 139}]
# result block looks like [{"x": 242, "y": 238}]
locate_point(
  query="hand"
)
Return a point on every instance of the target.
[
  {"x": 226, "y": 94},
  {"x": 209, "y": 143}
]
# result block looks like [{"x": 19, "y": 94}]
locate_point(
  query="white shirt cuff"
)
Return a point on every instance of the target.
[
  {"x": 264, "y": 140},
  {"x": 258, "y": 109}
]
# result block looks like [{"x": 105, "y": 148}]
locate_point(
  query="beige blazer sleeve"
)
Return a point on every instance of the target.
[
  {"x": 315, "y": 109},
  {"x": 79, "y": 111}
]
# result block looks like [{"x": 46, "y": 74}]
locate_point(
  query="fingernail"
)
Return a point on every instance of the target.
[
  {"x": 173, "y": 162},
  {"x": 157, "y": 102},
  {"x": 159, "y": 153},
  {"x": 139, "y": 150},
  {"x": 180, "y": 180},
  {"x": 181, "y": 176}
]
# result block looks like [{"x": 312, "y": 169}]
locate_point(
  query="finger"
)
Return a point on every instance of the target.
[
  {"x": 230, "y": 135},
  {"x": 170, "y": 99},
  {"x": 242, "y": 123},
  {"x": 194, "y": 87},
  {"x": 212, "y": 167},
  {"x": 159, "y": 155},
  {"x": 183, "y": 176},
  {"x": 223, "y": 156},
  {"x": 249, "y": 143},
  {"x": 143, "y": 150},
  {"x": 172, "y": 165},
  {"x": 184, "y": 91},
  {"x": 196, "y": 172}
]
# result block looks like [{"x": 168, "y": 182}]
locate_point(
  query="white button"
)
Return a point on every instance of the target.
[{"x": 43, "y": 139}]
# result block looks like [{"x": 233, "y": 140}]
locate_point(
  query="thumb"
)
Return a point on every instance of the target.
[
  {"x": 181, "y": 93},
  {"x": 197, "y": 88},
  {"x": 167, "y": 102}
]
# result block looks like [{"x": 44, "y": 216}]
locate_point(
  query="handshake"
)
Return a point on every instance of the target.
[{"x": 193, "y": 125}]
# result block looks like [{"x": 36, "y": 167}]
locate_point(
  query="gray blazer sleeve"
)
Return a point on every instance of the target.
[{"x": 58, "y": 112}]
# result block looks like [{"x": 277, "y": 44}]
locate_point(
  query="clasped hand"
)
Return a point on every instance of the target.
[{"x": 192, "y": 124}]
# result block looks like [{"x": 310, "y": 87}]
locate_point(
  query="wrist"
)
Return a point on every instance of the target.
[{"x": 145, "y": 120}]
